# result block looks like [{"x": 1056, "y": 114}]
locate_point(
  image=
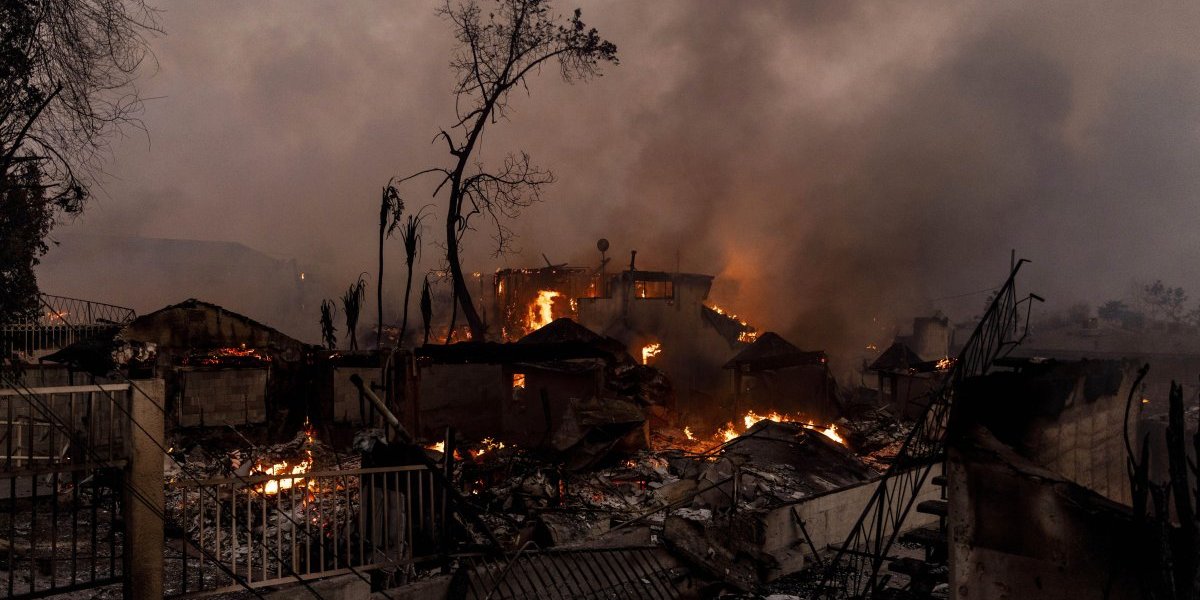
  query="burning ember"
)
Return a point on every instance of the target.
[
  {"x": 239, "y": 356},
  {"x": 688, "y": 432},
  {"x": 541, "y": 311},
  {"x": 650, "y": 351},
  {"x": 945, "y": 363},
  {"x": 487, "y": 444},
  {"x": 729, "y": 432},
  {"x": 285, "y": 468}
]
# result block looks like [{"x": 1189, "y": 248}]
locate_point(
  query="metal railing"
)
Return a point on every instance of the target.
[
  {"x": 273, "y": 529},
  {"x": 60, "y": 309},
  {"x": 61, "y": 322},
  {"x": 60, "y": 488},
  {"x": 854, "y": 571}
]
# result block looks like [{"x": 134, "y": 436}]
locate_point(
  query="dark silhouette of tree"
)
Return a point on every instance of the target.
[
  {"x": 25, "y": 220},
  {"x": 1116, "y": 310},
  {"x": 351, "y": 305},
  {"x": 410, "y": 233},
  {"x": 1165, "y": 302},
  {"x": 390, "y": 207},
  {"x": 328, "y": 331},
  {"x": 427, "y": 308},
  {"x": 67, "y": 69},
  {"x": 497, "y": 50}
]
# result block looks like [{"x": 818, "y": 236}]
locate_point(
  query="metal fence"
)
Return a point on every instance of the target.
[
  {"x": 61, "y": 322},
  {"x": 855, "y": 570},
  {"x": 271, "y": 530},
  {"x": 61, "y": 488}
]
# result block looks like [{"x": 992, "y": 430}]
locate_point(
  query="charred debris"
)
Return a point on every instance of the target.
[{"x": 620, "y": 437}]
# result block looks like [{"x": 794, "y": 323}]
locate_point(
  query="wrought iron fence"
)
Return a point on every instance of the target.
[
  {"x": 61, "y": 488},
  {"x": 271, "y": 530}
]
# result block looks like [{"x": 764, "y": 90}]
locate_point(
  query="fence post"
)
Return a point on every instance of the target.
[{"x": 143, "y": 551}]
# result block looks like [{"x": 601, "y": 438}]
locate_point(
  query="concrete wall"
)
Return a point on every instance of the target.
[
  {"x": 1020, "y": 531},
  {"x": 347, "y": 407},
  {"x": 524, "y": 417},
  {"x": 1084, "y": 444},
  {"x": 215, "y": 398},
  {"x": 830, "y": 517},
  {"x": 468, "y": 397},
  {"x": 1066, "y": 417}
]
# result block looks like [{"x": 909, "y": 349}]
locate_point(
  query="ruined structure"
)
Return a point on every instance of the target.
[{"x": 663, "y": 319}]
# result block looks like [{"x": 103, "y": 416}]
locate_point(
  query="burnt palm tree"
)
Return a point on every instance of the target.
[
  {"x": 328, "y": 331},
  {"x": 390, "y": 207},
  {"x": 411, "y": 235},
  {"x": 351, "y": 305}
]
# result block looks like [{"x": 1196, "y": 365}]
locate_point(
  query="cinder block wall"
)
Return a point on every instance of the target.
[
  {"x": 346, "y": 405},
  {"x": 1084, "y": 443},
  {"x": 216, "y": 398}
]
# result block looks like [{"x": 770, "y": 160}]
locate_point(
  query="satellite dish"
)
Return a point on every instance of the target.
[{"x": 602, "y": 245}]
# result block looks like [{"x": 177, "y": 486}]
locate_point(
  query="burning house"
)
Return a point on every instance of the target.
[
  {"x": 773, "y": 374},
  {"x": 219, "y": 365},
  {"x": 663, "y": 319}
]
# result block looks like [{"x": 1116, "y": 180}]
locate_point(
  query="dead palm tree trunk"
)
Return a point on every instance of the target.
[
  {"x": 390, "y": 207},
  {"x": 411, "y": 235}
]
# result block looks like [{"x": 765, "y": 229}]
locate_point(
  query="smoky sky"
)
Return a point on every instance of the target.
[{"x": 839, "y": 166}]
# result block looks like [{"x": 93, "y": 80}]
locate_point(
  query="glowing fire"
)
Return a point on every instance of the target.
[
  {"x": 285, "y": 468},
  {"x": 518, "y": 381},
  {"x": 488, "y": 445},
  {"x": 650, "y": 351},
  {"x": 945, "y": 363},
  {"x": 688, "y": 432},
  {"x": 729, "y": 432},
  {"x": 540, "y": 312},
  {"x": 440, "y": 447},
  {"x": 748, "y": 334}
]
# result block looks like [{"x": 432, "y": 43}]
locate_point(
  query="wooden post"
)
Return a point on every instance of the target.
[{"x": 143, "y": 555}]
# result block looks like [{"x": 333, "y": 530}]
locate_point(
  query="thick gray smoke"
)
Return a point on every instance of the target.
[{"x": 839, "y": 166}]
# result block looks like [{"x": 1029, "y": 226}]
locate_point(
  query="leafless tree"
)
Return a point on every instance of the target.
[
  {"x": 498, "y": 49},
  {"x": 67, "y": 69}
]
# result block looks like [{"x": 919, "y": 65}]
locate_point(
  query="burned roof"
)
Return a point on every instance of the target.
[
  {"x": 561, "y": 330},
  {"x": 509, "y": 353},
  {"x": 198, "y": 324},
  {"x": 898, "y": 357},
  {"x": 771, "y": 351}
]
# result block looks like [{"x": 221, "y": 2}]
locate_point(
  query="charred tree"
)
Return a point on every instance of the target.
[
  {"x": 426, "y": 309},
  {"x": 1170, "y": 543},
  {"x": 67, "y": 70},
  {"x": 410, "y": 234},
  {"x": 328, "y": 331},
  {"x": 390, "y": 207},
  {"x": 497, "y": 50},
  {"x": 351, "y": 306}
]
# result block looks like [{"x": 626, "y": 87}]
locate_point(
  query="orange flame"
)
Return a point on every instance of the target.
[
  {"x": 650, "y": 351},
  {"x": 541, "y": 311},
  {"x": 751, "y": 418}
]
